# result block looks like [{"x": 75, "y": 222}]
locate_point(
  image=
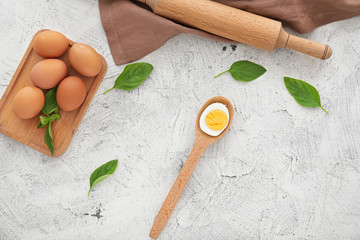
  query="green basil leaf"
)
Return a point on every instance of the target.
[
  {"x": 132, "y": 76},
  {"x": 40, "y": 125},
  {"x": 49, "y": 138},
  {"x": 54, "y": 117},
  {"x": 48, "y": 135},
  {"x": 304, "y": 93},
  {"x": 102, "y": 172},
  {"x": 44, "y": 121},
  {"x": 245, "y": 71},
  {"x": 50, "y": 105}
]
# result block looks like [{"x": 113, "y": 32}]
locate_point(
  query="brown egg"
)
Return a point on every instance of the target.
[
  {"x": 50, "y": 44},
  {"x": 48, "y": 73},
  {"x": 71, "y": 93},
  {"x": 28, "y": 102},
  {"x": 85, "y": 60}
]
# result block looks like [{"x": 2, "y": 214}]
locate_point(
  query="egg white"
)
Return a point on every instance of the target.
[{"x": 202, "y": 122}]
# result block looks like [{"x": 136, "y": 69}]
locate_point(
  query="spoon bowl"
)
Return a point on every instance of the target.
[
  {"x": 218, "y": 99},
  {"x": 203, "y": 140}
]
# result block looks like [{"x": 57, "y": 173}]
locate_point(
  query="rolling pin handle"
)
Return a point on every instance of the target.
[
  {"x": 303, "y": 45},
  {"x": 309, "y": 47}
]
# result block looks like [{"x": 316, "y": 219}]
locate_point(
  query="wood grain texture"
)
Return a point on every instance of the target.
[
  {"x": 236, "y": 24},
  {"x": 201, "y": 143},
  {"x": 25, "y": 131}
]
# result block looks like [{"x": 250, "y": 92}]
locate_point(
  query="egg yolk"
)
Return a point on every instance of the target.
[{"x": 216, "y": 120}]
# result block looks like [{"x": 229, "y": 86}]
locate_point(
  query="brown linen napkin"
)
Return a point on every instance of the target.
[{"x": 133, "y": 31}]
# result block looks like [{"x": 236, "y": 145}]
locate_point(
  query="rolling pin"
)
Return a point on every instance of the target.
[{"x": 236, "y": 24}]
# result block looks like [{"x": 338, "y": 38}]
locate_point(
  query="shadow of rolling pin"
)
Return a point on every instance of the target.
[{"x": 237, "y": 25}]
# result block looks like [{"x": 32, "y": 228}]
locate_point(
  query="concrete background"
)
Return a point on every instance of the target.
[{"x": 282, "y": 171}]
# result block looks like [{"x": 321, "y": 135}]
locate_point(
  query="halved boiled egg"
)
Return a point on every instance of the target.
[{"x": 214, "y": 119}]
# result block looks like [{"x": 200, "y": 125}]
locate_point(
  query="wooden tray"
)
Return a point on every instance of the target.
[{"x": 25, "y": 131}]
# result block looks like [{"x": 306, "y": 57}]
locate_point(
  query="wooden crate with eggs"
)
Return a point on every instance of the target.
[{"x": 73, "y": 70}]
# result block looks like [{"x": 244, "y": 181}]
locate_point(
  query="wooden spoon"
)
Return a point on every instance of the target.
[{"x": 202, "y": 142}]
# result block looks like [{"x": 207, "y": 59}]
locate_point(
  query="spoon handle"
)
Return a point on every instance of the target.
[{"x": 178, "y": 187}]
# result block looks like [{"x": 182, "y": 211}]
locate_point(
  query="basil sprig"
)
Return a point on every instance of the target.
[
  {"x": 304, "y": 93},
  {"x": 245, "y": 71},
  {"x": 102, "y": 172},
  {"x": 50, "y": 109},
  {"x": 132, "y": 76},
  {"x": 50, "y": 102},
  {"x": 45, "y": 120},
  {"x": 49, "y": 138}
]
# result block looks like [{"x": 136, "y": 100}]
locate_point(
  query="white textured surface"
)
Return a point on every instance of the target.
[{"x": 281, "y": 172}]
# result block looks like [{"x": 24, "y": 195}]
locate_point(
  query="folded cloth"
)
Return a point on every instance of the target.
[{"x": 134, "y": 31}]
